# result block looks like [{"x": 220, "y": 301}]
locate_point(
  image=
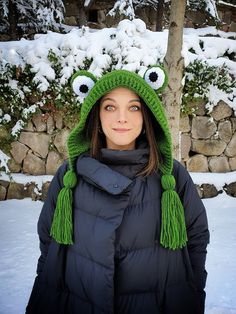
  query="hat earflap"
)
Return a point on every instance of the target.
[
  {"x": 173, "y": 227},
  {"x": 156, "y": 77}
]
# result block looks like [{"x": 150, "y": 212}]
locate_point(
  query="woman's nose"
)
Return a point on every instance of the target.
[{"x": 122, "y": 117}]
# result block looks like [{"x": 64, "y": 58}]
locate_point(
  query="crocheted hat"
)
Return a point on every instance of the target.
[{"x": 90, "y": 90}]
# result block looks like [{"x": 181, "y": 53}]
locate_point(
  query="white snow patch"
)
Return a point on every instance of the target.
[
  {"x": 17, "y": 127},
  {"x": 3, "y": 161},
  {"x": 24, "y": 179},
  {"x": 218, "y": 179}
]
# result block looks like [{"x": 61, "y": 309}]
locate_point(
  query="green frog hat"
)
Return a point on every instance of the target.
[{"x": 89, "y": 90}]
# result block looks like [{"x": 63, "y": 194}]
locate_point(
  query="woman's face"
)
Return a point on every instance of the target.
[{"x": 121, "y": 118}]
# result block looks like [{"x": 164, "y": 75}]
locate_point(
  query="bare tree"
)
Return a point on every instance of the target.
[
  {"x": 160, "y": 15},
  {"x": 13, "y": 21},
  {"x": 174, "y": 65},
  {"x": 83, "y": 7}
]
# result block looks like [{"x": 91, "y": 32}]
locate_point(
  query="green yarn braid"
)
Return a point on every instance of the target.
[
  {"x": 62, "y": 226},
  {"x": 173, "y": 229}
]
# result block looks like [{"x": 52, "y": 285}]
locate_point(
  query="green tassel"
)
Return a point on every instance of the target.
[
  {"x": 62, "y": 226},
  {"x": 173, "y": 228}
]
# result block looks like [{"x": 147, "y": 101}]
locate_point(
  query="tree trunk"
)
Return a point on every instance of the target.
[
  {"x": 83, "y": 14},
  {"x": 160, "y": 15},
  {"x": 13, "y": 20},
  {"x": 174, "y": 64}
]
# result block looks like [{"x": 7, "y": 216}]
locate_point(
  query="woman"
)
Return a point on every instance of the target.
[{"x": 122, "y": 229}]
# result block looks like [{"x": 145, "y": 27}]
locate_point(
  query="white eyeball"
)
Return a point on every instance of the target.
[
  {"x": 82, "y": 85},
  {"x": 155, "y": 77}
]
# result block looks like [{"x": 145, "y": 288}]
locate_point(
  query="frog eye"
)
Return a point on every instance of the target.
[
  {"x": 156, "y": 78},
  {"x": 82, "y": 83}
]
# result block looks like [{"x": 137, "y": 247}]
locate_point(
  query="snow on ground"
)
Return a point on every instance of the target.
[
  {"x": 221, "y": 266},
  {"x": 19, "y": 253}
]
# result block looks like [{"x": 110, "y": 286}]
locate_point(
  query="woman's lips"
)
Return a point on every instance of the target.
[{"x": 120, "y": 130}]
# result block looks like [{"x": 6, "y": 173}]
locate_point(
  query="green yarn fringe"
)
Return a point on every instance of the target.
[
  {"x": 62, "y": 225},
  {"x": 173, "y": 228}
]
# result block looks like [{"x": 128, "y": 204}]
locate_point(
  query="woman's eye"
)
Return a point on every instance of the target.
[
  {"x": 135, "y": 108},
  {"x": 109, "y": 108}
]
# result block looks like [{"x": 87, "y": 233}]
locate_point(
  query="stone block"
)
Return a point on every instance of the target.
[
  {"x": 208, "y": 147},
  {"x": 4, "y": 183},
  {"x": 58, "y": 120},
  {"x": 15, "y": 191},
  {"x": 60, "y": 141},
  {"x": 29, "y": 191},
  {"x": 231, "y": 147},
  {"x": 19, "y": 151},
  {"x": 38, "y": 142},
  {"x": 221, "y": 111},
  {"x": 33, "y": 165},
  {"x": 13, "y": 166},
  {"x": 50, "y": 125},
  {"x": 219, "y": 164},
  {"x": 29, "y": 127},
  {"x": 233, "y": 122},
  {"x": 232, "y": 27},
  {"x": 209, "y": 190},
  {"x": 3, "y": 193},
  {"x": 203, "y": 127},
  {"x": 39, "y": 123},
  {"x": 199, "y": 190},
  {"x": 101, "y": 16},
  {"x": 54, "y": 161},
  {"x": 185, "y": 146},
  {"x": 230, "y": 189},
  {"x": 232, "y": 163},
  {"x": 71, "y": 20},
  {"x": 184, "y": 125},
  {"x": 225, "y": 131},
  {"x": 199, "y": 107},
  {"x": 197, "y": 163},
  {"x": 45, "y": 188}
]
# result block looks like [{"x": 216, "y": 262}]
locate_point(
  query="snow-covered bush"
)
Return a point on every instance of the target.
[
  {"x": 207, "y": 82},
  {"x": 21, "y": 96}
]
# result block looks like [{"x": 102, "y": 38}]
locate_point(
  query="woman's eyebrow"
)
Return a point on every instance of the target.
[
  {"x": 132, "y": 100},
  {"x": 107, "y": 98},
  {"x": 135, "y": 100}
]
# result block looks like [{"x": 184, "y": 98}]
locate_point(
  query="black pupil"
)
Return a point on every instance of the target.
[
  {"x": 153, "y": 77},
  {"x": 83, "y": 88}
]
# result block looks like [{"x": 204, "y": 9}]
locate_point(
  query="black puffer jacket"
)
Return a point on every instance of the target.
[{"x": 116, "y": 264}]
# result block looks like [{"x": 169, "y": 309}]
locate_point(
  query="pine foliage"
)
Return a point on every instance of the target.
[{"x": 40, "y": 15}]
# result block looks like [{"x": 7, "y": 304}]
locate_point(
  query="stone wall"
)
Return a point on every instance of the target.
[
  {"x": 39, "y": 150},
  {"x": 41, "y": 146},
  {"x": 208, "y": 144}
]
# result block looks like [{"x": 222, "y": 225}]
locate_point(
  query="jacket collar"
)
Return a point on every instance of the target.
[
  {"x": 127, "y": 162},
  {"x": 102, "y": 176}
]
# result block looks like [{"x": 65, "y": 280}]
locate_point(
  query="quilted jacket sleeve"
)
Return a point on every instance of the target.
[
  {"x": 46, "y": 215},
  {"x": 197, "y": 226}
]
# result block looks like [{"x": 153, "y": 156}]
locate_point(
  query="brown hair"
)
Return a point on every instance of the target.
[{"x": 97, "y": 138}]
